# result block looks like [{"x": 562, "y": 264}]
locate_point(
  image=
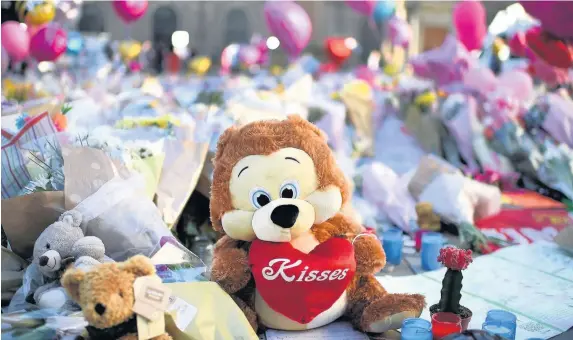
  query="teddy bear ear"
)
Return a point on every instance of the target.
[
  {"x": 72, "y": 217},
  {"x": 138, "y": 265},
  {"x": 71, "y": 282}
]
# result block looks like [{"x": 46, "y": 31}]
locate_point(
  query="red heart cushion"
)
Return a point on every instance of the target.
[
  {"x": 301, "y": 286},
  {"x": 554, "y": 52}
]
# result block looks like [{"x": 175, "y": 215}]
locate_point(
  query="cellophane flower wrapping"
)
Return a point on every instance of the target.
[
  {"x": 556, "y": 169},
  {"x": 554, "y": 114}
]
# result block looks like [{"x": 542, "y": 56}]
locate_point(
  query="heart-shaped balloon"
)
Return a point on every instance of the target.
[
  {"x": 49, "y": 43},
  {"x": 301, "y": 286},
  {"x": 336, "y": 50}
]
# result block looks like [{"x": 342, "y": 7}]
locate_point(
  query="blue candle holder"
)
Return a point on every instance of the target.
[
  {"x": 416, "y": 329},
  {"x": 431, "y": 245},
  {"x": 498, "y": 328},
  {"x": 503, "y": 318},
  {"x": 392, "y": 243}
]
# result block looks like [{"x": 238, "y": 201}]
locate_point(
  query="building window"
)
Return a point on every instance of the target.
[
  {"x": 238, "y": 29},
  {"x": 164, "y": 24},
  {"x": 91, "y": 19}
]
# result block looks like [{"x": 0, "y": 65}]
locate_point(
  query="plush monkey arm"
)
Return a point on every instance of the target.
[
  {"x": 230, "y": 268},
  {"x": 368, "y": 252}
]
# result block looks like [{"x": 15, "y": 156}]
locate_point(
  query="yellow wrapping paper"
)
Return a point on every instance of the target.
[
  {"x": 217, "y": 318},
  {"x": 150, "y": 168}
]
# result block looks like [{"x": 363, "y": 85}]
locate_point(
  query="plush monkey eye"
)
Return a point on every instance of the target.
[
  {"x": 260, "y": 198},
  {"x": 47, "y": 246},
  {"x": 289, "y": 190}
]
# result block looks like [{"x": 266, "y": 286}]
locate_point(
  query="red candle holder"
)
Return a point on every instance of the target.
[{"x": 444, "y": 324}]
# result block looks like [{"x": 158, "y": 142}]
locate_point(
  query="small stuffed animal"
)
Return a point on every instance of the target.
[
  {"x": 60, "y": 245},
  {"x": 105, "y": 294},
  {"x": 290, "y": 258}
]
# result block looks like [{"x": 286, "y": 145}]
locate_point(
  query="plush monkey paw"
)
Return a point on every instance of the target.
[{"x": 389, "y": 311}]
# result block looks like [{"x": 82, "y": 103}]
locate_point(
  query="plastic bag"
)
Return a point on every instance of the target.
[{"x": 126, "y": 221}]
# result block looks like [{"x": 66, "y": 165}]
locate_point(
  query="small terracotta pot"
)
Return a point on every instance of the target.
[{"x": 465, "y": 321}]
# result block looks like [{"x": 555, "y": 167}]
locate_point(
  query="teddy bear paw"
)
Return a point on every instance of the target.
[
  {"x": 388, "y": 312},
  {"x": 54, "y": 298}
]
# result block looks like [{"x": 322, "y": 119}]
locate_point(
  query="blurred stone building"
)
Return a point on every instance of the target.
[{"x": 212, "y": 25}]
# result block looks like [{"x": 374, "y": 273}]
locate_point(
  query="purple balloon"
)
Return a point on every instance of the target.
[
  {"x": 5, "y": 60},
  {"x": 555, "y": 16},
  {"x": 365, "y": 7},
  {"x": 290, "y": 23}
]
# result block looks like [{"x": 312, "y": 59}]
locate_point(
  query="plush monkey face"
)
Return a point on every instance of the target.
[{"x": 276, "y": 188}]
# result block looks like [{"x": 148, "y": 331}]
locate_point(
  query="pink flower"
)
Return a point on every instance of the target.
[{"x": 454, "y": 258}]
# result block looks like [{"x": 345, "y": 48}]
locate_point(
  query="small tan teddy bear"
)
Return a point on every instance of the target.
[{"x": 105, "y": 294}]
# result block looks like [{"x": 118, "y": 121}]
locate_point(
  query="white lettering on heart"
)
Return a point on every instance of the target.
[{"x": 271, "y": 274}]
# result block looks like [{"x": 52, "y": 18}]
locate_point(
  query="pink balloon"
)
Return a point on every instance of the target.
[
  {"x": 49, "y": 43},
  {"x": 229, "y": 57},
  {"x": 516, "y": 83},
  {"x": 290, "y": 23},
  {"x": 15, "y": 40},
  {"x": 400, "y": 32},
  {"x": 5, "y": 60},
  {"x": 249, "y": 55},
  {"x": 480, "y": 79},
  {"x": 130, "y": 10},
  {"x": 470, "y": 22},
  {"x": 555, "y": 16},
  {"x": 365, "y": 7},
  {"x": 362, "y": 72},
  {"x": 517, "y": 44}
]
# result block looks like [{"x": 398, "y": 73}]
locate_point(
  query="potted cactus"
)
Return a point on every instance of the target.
[{"x": 455, "y": 260}]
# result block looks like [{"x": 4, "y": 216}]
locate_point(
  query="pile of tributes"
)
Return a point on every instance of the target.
[{"x": 117, "y": 153}]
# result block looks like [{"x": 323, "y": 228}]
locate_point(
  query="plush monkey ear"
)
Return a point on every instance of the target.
[
  {"x": 298, "y": 120},
  {"x": 138, "y": 265},
  {"x": 224, "y": 139},
  {"x": 71, "y": 282}
]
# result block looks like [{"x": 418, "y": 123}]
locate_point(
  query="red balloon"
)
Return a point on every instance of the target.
[
  {"x": 517, "y": 44},
  {"x": 49, "y": 43},
  {"x": 336, "y": 50},
  {"x": 470, "y": 22},
  {"x": 130, "y": 10},
  {"x": 554, "y": 52}
]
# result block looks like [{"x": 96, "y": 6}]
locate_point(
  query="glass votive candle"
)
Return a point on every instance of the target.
[
  {"x": 444, "y": 324},
  {"x": 431, "y": 244},
  {"x": 392, "y": 243},
  {"x": 498, "y": 328},
  {"x": 416, "y": 329},
  {"x": 504, "y": 318}
]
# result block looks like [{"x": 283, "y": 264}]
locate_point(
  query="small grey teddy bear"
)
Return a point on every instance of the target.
[{"x": 62, "y": 244}]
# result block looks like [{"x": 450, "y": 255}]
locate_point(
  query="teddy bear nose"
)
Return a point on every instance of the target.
[
  {"x": 99, "y": 308},
  {"x": 43, "y": 260},
  {"x": 285, "y": 215}
]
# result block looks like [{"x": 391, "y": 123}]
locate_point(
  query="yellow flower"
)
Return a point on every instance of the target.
[
  {"x": 391, "y": 69},
  {"x": 426, "y": 99},
  {"x": 129, "y": 50},
  {"x": 200, "y": 65},
  {"x": 276, "y": 70}
]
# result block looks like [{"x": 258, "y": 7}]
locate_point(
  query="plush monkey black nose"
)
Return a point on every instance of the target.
[
  {"x": 43, "y": 260},
  {"x": 99, "y": 308},
  {"x": 285, "y": 215}
]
